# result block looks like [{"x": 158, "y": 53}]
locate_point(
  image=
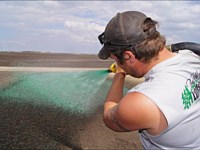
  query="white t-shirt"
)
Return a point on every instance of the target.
[{"x": 174, "y": 86}]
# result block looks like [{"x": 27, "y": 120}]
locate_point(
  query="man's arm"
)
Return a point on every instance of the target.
[
  {"x": 131, "y": 112},
  {"x": 114, "y": 96}
]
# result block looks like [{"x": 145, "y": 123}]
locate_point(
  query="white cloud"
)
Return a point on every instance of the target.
[
  {"x": 52, "y": 4},
  {"x": 75, "y": 25},
  {"x": 83, "y": 31},
  {"x": 84, "y": 25}
]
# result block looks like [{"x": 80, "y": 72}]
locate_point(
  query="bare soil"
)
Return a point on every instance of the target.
[
  {"x": 36, "y": 59},
  {"x": 24, "y": 126}
]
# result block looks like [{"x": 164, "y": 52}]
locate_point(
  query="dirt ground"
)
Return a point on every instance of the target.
[
  {"x": 36, "y": 59},
  {"x": 24, "y": 126}
]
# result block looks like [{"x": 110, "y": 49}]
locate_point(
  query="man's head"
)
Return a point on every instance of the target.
[{"x": 131, "y": 31}]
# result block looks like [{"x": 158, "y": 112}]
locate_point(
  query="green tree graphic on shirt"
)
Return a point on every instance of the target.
[
  {"x": 187, "y": 98},
  {"x": 191, "y": 91}
]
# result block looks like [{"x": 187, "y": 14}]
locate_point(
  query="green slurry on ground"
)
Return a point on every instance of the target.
[{"x": 77, "y": 92}]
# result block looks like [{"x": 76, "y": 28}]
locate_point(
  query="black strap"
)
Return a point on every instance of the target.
[{"x": 186, "y": 45}]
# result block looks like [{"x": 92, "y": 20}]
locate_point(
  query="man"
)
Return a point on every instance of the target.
[{"x": 165, "y": 108}]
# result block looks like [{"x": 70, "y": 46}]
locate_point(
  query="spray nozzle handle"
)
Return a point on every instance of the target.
[{"x": 112, "y": 67}]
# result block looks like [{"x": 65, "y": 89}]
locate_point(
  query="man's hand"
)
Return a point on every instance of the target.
[{"x": 119, "y": 69}]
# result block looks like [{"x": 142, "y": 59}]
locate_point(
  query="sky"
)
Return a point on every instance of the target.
[{"x": 74, "y": 26}]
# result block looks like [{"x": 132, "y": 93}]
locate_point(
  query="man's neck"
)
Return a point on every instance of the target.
[{"x": 162, "y": 56}]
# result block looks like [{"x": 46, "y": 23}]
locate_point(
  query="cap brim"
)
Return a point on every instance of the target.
[{"x": 104, "y": 53}]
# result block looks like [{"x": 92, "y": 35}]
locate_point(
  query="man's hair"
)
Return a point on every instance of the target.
[{"x": 147, "y": 49}]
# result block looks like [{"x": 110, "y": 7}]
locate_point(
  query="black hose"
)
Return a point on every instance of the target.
[{"x": 186, "y": 45}]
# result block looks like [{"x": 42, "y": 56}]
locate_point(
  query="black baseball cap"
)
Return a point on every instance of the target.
[{"x": 123, "y": 30}]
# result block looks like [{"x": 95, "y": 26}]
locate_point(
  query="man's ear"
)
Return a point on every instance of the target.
[
  {"x": 126, "y": 56},
  {"x": 129, "y": 56}
]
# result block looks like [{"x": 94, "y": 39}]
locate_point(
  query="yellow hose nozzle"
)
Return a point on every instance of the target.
[{"x": 112, "y": 68}]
